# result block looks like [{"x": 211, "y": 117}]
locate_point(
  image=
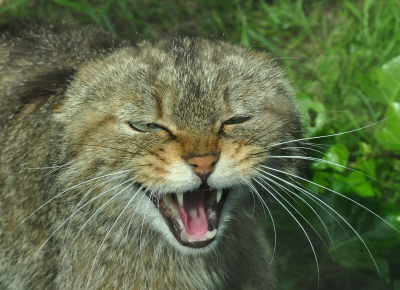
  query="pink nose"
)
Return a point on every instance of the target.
[{"x": 203, "y": 165}]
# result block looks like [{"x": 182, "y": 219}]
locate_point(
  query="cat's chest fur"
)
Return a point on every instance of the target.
[{"x": 136, "y": 166}]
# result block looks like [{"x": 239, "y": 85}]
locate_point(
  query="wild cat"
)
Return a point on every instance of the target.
[{"x": 139, "y": 166}]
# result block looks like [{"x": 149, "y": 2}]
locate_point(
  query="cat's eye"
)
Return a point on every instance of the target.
[
  {"x": 236, "y": 120},
  {"x": 145, "y": 127}
]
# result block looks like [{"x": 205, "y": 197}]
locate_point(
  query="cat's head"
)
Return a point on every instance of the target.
[{"x": 186, "y": 121}]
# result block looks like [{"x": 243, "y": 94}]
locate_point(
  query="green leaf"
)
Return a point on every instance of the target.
[
  {"x": 365, "y": 148},
  {"x": 336, "y": 158},
  {"x": 383, "y": 84},
  {"x": 322, "y": 178},
  {"x": 359, "y": 184},
  {"x": 379, "y": 238},
  {"x": 359, "y": 259},
  {"x": 389, "y": 135},
  {"x": 316, "y": 113},
  {"x": 368, "y": 166}
]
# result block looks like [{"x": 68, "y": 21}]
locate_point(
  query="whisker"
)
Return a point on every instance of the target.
[
  {"x": 285, "y": 57},
  {"x": 50, "y": 200},
  {"x": 328, "y": 162},
  {"x": 216, "y": 255},
  {"x": 55, "y": 168},
  {"x": 315, "y": 199},
  {"x": 98, "y": 196},
  {"x": 45, "y": 242},
  {"x": 332, "y": 135},
  {"x": 262, "y": 177},
  {"x": 304, "y": 231},
  {"x": 109, "y": 147},
  {"x": 98, "y": 252},
  {"x": 254, "y": 200},
  {"x": 322, "y": 146},
  {"x": 328, "y": 189},
  {"x": 47, "y": 167},
  {"x": 133, "y": 214},
  {"x": 340, "y": 215},
  {"x": 298, "y": 196},
  {"x": 229, "y": 237},
  {"x": 83, "y": 198},
  {"x": 306, "y": 148},
  {"x": 263, "y": 203},
  {"x": 144, "y": 216}
]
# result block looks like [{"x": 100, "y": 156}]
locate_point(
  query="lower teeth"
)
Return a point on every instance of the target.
[{"x": 209, "y": 235}]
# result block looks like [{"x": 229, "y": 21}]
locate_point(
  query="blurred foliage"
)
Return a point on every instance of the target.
[
  {"x": 344, "y": 60},
  {"x": 354, "y": 210}
]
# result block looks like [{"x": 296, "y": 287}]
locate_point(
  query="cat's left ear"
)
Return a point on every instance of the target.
[
  {"x": 42, "y": 86},
  {"x": 39, "y": 88}
]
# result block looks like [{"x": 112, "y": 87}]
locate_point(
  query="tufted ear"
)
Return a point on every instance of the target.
[
  {"x": 37, "y": 89},
  {"x": 38, "y": 61},
  {"x": 42, "y": 86}
]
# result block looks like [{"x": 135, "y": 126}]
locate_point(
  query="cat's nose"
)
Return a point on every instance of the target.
[{"x": 203, "y": 166}]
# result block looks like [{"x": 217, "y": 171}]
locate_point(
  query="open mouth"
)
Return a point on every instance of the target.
[{"x": 192, "y": 216}]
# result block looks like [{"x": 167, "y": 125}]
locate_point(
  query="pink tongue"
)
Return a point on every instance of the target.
[{"x": 193, "y": 215}]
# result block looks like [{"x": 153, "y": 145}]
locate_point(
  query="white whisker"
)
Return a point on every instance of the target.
[
  {"x": 328, "y": 162},
  {"x": 109, "y": 231},
  {"x": 264, "y": 205},
  {"x": 144, "y": 216},
  {"x": 331, "y": 135},
  {"x": 298, "y": 196},
  {"x": 376, "y": 266},
  {"x": 301, "y": 226},
  {"x": 58, "y": 195},
  {"x": 47, "y": 167},
  {"x": 342, "y": 195},
  {"x": 133, "y": 214},
  {"x": 315, "y": 199},
  {"x": 98, "y": 196},
  {"x": 284, "y": 188},
  {"x": 305, "y": 148},
  {"x": 82, "y": 199}
]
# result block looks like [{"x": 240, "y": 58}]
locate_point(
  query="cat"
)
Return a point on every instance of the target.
[{"x": 139, "y": 165}]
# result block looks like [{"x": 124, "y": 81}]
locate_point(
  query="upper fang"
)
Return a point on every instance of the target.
[
  {"x": 179, "y": 197},
  {"x": 219, "y": 194}
]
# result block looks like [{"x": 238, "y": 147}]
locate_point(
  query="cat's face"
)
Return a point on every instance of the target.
[{"x": 187, "y": 122}]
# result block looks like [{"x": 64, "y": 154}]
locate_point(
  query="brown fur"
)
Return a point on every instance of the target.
[{"x": 67, "y": 96}]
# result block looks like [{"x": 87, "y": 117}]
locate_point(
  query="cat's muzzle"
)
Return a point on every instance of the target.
[{"x": 192, "y": 216}]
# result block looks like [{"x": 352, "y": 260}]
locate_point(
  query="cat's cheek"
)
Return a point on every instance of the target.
[
  {"x": 225, "y": 174},
  {"x": 167, "y": 171},
  {"x": 182, "y": 178},
  {"x": 236, "y": 165}
]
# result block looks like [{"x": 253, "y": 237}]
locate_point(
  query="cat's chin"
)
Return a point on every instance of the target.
[{"x": 193, "y": 216}]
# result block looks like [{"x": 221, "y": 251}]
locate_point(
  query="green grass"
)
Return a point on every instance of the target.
[{"x": 332, "y": 50}]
